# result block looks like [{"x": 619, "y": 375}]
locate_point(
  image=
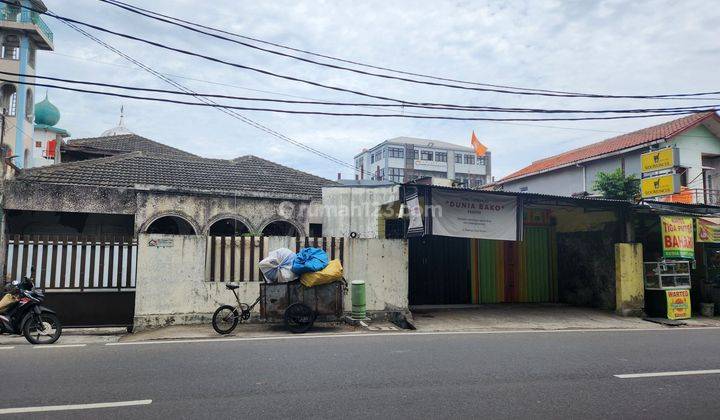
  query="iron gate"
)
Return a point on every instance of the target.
[{"x": 89, "y": 281}]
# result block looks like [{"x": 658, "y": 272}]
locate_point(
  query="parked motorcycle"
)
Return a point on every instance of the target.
[{"x": 28, "y": 317}]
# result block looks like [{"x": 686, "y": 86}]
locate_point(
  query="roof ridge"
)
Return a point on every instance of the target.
[
  {"x": 248, "y": 156},
  {"x": 685, "y": 123}
]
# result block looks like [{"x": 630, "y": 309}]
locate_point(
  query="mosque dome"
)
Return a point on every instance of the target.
[{"x": 46, "y": 113}]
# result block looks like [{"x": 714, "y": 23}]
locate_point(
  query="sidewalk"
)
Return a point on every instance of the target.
[{"x": 516, "y": 317}]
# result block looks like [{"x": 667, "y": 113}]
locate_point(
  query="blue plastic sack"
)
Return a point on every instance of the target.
[{"x": 309, "y": 260}]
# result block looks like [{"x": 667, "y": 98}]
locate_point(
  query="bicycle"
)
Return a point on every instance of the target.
[{"x": 226, "y": 317}]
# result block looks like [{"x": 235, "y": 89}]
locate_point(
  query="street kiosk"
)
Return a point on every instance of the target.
[{"x": 667, "y": 289}]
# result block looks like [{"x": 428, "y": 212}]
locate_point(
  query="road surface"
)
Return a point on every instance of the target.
[{"x": 393, "y": 375}]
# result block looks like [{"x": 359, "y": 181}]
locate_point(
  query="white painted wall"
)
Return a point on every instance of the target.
[
  {"x": 171, "y": 288},
  {"x": 355, "y": 209}
]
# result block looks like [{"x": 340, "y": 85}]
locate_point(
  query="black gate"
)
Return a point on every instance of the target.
[
  {"x": 88, "y": 281},
  {"x": 439, "y": 271}
]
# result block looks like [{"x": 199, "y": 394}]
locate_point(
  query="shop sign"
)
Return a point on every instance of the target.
[
  {"x": 466, "y": 214},
  {"x": 677, "y": 237},
  {"x": 708, "y": 229},
  {"x": 660, "y": 185},
  {"x": 678, "y": 304},
  {"x": 659, "y": 160}
]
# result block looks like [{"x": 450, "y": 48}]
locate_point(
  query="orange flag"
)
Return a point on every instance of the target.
[{"x": 480, "y": 148}]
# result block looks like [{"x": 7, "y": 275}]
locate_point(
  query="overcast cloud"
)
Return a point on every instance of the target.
[{"x": 631, "y": 47}]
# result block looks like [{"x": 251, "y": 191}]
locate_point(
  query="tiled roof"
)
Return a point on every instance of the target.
[
  {"x": 624, "y": 141},
  {"x": 248, "y": 175},
  {"x": 126, "y": 143}
]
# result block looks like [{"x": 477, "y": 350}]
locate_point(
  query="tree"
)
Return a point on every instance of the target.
[{"x": 616, "y": 185}]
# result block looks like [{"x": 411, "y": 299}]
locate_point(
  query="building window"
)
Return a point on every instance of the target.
[
  {"x": 458, "y": 158},
  {"x": 376, "y": 157},
  {"x": 469, "y": 159},
  {"x": 358, "y": 163},
  {"x": 9, "y": 99},
  {"x": 415, "y": 154},
  {"x": 441, "y": 156},
  {"x": 462, "y": 180},
  {"x": 396, "y": 152},
  {"x": 481, "y": 160},
  {"x": 396, "y": 174},
  {"x": 426, "y": 155},
  {"x": 523, "y": 189},
  {"x": 315, "y": 230}
]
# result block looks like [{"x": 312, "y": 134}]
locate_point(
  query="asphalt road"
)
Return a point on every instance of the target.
[{"x": 496, "y": 375}]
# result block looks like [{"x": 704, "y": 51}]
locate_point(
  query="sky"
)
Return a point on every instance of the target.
[{"x": 610, "y": 47}]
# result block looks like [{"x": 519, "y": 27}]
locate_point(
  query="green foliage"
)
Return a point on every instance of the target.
[{"x": 617, "y": 186}]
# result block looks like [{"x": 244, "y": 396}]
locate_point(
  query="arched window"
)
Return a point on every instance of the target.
[
  {"x": 171, "y": 225},
  {"x": 228, "y": 227},
  {"x": 29, "y": 105},
  {"x": 280, "y": 228},
  {"x": 9, "y": 99},
  {"x": 26, "y": 158}
]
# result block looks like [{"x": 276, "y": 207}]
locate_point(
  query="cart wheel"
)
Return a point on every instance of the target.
[{"x": 299, "y": 318}]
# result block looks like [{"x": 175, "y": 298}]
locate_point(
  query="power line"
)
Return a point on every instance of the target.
[
  {"x": 517, "y": 124},
  {"x": 213, "y": 104},
  {"x": 229, "y": 112},
  {"x": 516, "y": 90},
  {"x": 282, "y": 76},
  {"x": 354, "y": 104}
]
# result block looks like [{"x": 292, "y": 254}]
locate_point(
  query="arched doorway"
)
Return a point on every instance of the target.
[
  {"x": 171, "y": 225},
  {"x": 280, "y": 228},
  {"x": 228, "y": 227}
]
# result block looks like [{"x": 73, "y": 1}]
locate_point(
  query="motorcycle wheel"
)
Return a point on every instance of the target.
[
  {"x": 225, "y": 319},
  {"x": 44, "y": 328}
]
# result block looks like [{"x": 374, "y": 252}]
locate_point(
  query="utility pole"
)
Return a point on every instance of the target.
[{"x": 2, "y": 196}]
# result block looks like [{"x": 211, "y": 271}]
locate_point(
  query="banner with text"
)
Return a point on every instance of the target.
[
  {"x": 708, "y": 229},
  {"x": 678, "y": 304},
  {"x": 465, "y": 214},
  {"x": 677, "y": 237}
]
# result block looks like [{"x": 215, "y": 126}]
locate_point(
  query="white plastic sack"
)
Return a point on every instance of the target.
[{"x": 277, "y": 267}]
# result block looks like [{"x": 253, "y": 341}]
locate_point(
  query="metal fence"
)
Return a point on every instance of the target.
[
  {"x": 73, "y": 262},
  {"x": 235, "y": 258}
]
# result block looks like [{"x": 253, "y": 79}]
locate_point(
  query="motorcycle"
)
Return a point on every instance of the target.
[{"x": 28, "y": 317}]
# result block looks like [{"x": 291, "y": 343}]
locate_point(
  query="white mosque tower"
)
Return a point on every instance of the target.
[
  {"x": 47, "y": 136},
  {"x": 120, "y": 129},
  {"x": 22, "y": 34}
]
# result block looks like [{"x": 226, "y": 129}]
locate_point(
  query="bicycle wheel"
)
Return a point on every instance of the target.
[
  {"x": 299, "y": 317},
  {"x": 225, "y": 319}
]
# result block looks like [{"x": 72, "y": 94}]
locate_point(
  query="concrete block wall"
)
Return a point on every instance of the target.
[{"x": 171, "y": 287}]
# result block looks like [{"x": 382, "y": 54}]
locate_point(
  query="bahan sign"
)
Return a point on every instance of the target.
[{"x": 677, "y": 237}]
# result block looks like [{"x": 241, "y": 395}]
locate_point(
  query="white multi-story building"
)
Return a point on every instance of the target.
[{"x": 403, "y": 159}]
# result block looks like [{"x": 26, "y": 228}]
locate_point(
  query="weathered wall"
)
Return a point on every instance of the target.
[
  {"x": 586, "y": 256},
  {"x": 171, "y": 287},
  {"x": 203, "y": 210},
  {"x": 68, "y": 198},
  {"x": 355, "y": 209}
]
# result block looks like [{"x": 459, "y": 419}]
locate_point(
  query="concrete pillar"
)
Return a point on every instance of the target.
[{"x": 629, "y": 286}]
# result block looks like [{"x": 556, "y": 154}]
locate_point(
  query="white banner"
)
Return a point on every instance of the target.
[{"x": 466, "y": 214}]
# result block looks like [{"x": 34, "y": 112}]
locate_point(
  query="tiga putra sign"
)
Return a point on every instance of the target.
[
  {"x": 677, "y": 237},
  {"x": 466, "y": 214}
]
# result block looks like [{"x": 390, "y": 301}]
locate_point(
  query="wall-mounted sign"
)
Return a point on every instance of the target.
[
  {"x": 466, "y": 214},
  {"x": 678, "y": 304},
  {"x": 708, "y": 229},
  {"x": 677, "y": 237},
  {"x": 660, "y": 185},
  {"x": 161, "y": 243},
  {"x": 658, "y": 160}
]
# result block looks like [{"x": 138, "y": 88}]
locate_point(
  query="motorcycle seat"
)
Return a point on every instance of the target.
[{"x": 232, "y": 286}]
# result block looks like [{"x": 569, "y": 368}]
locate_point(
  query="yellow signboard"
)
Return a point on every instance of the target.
[
  {"x": 660, "y": 185},
  {"x": 708, "y": 229},
  {"x": 678, "y": 304},
  {"x": 658, "y": 160},
  {"x": 677, "y": 237}
]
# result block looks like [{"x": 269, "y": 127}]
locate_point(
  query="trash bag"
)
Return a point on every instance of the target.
[
  {"x": 309, "y": 260},
  {"x": 332, "y": 273},
  {"x": 277, "y": 267}
]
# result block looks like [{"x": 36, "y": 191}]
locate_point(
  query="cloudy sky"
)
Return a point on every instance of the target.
[{"x": 617, "y": 47}]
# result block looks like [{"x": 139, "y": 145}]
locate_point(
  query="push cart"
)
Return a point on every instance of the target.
[{"x": 292, "y": 303}]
